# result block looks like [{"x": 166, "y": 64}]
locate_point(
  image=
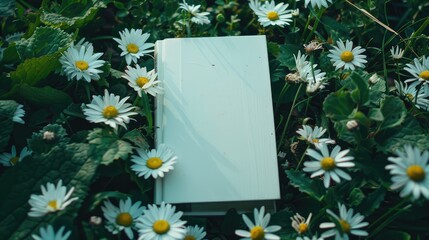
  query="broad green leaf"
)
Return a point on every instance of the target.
[
  {"x": 394, "y": 112},
  {"x": 59, "y": 20},
  {"x": 376, "y": 114},
  {"x": 360, "y": 94},
  {"x": 32, "y": 70},
  {"x": 101, "y": 196},
  {"x": 338, "y": 106},
  {"x": 305, "y": 184},
  {"x": 343, "y": 132},
  {"x": 371, "y": 202},
  {"x": 44, "y": 41},
  {"x": 50, "y": 136},
  {"x": 286, "y": 55},
  {"x": 356, "y": 197},
  {"x": 45, "y": 96},
  {"x": 136, "y": 137},
  {"x": 7, "y": 8},
  {"x": 394, "y": 235},
  {"x": 108, "y": 142},
  {"x": 75, "y": 164},
  {"x": 7, "y": 110},
  {"x": 377, "y": 91}
]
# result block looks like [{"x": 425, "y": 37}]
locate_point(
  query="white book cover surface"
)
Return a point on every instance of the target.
[{"x": 216, "y": 114}]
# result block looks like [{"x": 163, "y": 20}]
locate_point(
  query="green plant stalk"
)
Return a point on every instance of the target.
[
  {"x": 281, "y": 95},
  {"x": 316, "y": 23},
  {"x": 417, "y": 32},
  {"x": 288, "y": 118},
  {"x": 389, "y": 220},
  {"x": 302, "y": 158},
  {"x": 386, "y": 214},
  {"x": 148, "y": 113}
]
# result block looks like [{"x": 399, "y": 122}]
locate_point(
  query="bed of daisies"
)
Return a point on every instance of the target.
[{"x": 350, "y": 85}]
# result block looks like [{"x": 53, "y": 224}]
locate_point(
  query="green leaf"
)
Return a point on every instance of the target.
[
  {"x": 44, "y": 41},
  {"x": 59, "y": 20},
  {"x": 286, "y": 55},
  {"x": 360, "y": 94},
  {"x": 394, "y": 112},
  {"x": 376, "y": 114},
  {"x": 50, "y": 136},
  {"x": 32, "y": 70},
  {"x": 108, "y": 142},
  {"x": 356, "y": 197},
  {"x": 45, "y": 96},
  {"x": 338, "y": 106},
  {"x": 305, "y": 184},
  {"x": 75, "y": 164},
  {"x": 101, "y": 196},
  {"x": 377, "y": 91},
  {"x": 394, "y": 235},
  {"x": 7, "y": 8},
  {"x": 136, "y": 137},
  {"x": 371, "y": 202},
  {"x": 7, "y": 110}
]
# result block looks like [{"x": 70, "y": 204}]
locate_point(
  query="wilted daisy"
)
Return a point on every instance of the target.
[
  {"x": 329, "y": 164},
  {"x": 410, "y": 93},
  {"x": 194, "y": 233},
  {"x": 19, "y": 114},
  {"x": 317, "y": 3},
  {"x": 315, "y": 237},
  {"x": 260, "y": 230},
  {"x": 300, "y": 224},
  {"x": 313, "y": 46},
  {"x": 153, "y": 163},
  {"x": 410, "y": 172},
  {"x": 81, "y": 63},
  {"x": 419, "y": 70},
  {"x": 123, "y": 217},
  {"x": 397, "y": 52},
  {"x": 272, "y": 14},
  {"x": 345, "y": 224},
  {"x": 109, "y": 109},
  {"x": 346, "y": 56},
  {"x": 53, "y": 198},
  {"x": 196, "y": 16},
  {"x": 161, "y": 223},
  {"x": 48, "y": 233},
  {"x": 133, "y": 44},
  {"x": 308, "y": 73},
  {"x": 142, "y": 80},
  {"x": 313, "y": 136},
  {"x": 12, "y": 158}
]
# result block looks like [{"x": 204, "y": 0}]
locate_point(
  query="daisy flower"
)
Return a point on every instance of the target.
[
  {"x": 161, "y": 223},
  {"x": 318, "y": 3},
  {"x": 133, "y": 44},
  {"x": 420, "y": 71},
  {"x": 48, "y": 233},
  {"x": 19, "y": 114},
  {"x": 123, "y": 217},
  {"x": 410, "y": 172},
  {"x": 313, "y": 136},
  {"x": 194, "y": 233},
  {"x": 300, "y": 224},
  {"x": 396, "y": 53},
  {"x": 260, "y": 230},
  {"x": 315, "y": 237},
  {"x": 272, "y": 14},
  {"x": 329, "y": 164},
  {"x": 142, "y": 80},
  {"x": 153, "y": 163},
  {"x": 81, "y": 63},
  {"x": 309, "y": 73},
  {"x": 53, "y": 198},
  {"x": 12, "y": 158},
  {"x": 109, "y": 109},
  {"x": 345, "y": 224},
  {"x": 410, "y": 93},
  {"x": 197, "y": 16},
  {"x": 346, "y": 56}
]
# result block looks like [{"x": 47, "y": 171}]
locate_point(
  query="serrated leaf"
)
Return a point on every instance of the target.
[
  {"x": 394, "y": 112},
  {"x": 136, "y": 137},
  {"x": 44, "y": 41},
  {"x": 32, "y": 70},
  {"x": 305, "y": 184},
  {"x": 338, "y": 106},
  {"x": 360, "y": 94},
  {"x": 7, "y": 8},
  {"x": 376, "y": 114},
  {"x": 45, "y": 96},
  {"x": 7, "y": 110},
  {"x": 286, "y": 55},
  {"x": 59, "y": 20},
  {"x": 108, "y": 142},
  {"x": 376, "y": 91},
  {"x": 356, "y": 197},
  {"x": 75, "y": 164},
  {"x": 50, "y": 136}
]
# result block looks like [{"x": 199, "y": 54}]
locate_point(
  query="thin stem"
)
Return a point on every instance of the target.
[
  {"x": 397, "y": 206},
  {"x": 302, "y": 157},
  {"x": 282, "y": 93},
  {"x": 148, "y": 113},
  {"x": 188, "y": 29}
]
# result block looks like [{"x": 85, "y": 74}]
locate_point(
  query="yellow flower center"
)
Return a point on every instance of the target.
[
  {"x": 257, "y": 233},
  {"x": 53, "y": 204},
  {"x": 124, "y": 219},
  {"x": 347, "y": 56},
  {"x": 189, "y": 237},
  {"x": 416, "y": 173},
  {"x": 272, "y": 16},
  {"x": 110, "y": 112},
  {"x": 425, "y": 75},
  {"x": 154, "y": 163},
  {"x": 14, "y": 160},
  {"x": 345, "y": 226},
  {"x": 327, "y": 163},
  {"x": 302, "y": 228},
  {"x": 410, "y": 96},
  {"x": 82, "y": 65},
  {"x": 141, "y": 81},
  {"x": 132, "y": 48},
  {"x": 161, "y": 226},
  {"x": 315, "y": 140}
]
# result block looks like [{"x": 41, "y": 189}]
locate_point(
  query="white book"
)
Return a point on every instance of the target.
[{"x": 216, "y": 114}]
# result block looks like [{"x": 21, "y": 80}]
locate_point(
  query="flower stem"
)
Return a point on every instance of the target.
[
  {"x": 302, "y": 157},
  {"x": 398, "y": 207}
]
